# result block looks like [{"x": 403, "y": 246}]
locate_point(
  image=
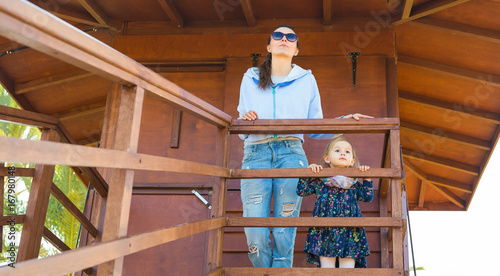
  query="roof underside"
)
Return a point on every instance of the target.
[{"x": 448, "y": 69}]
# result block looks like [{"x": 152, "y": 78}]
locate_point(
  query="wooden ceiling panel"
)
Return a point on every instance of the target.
[
  {"x": 85, "y": 127},
  {"x": 210, "y": 10},
  {"x": 360, "y": 8},
  {"x": 479, "y": 13},
  {"x": 69, "y": 95},
  {"x": 447, "y": 120},
  {"x": 131, "y": 10},
  {"x": 442, "y": 86},
  {"x": 287, "y": 9},
  {"x": 434, "y": 170},
  {"x": 415, "y": 39}
]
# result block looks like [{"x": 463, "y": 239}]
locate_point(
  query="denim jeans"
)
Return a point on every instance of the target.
[{"x": 256, "y": 196}]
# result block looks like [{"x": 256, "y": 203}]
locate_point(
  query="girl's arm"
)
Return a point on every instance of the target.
[
  {"x": 306, "y": 186},
  {"x": 364, "y": 191}
]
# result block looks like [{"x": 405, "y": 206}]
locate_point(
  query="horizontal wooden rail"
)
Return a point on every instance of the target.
[
  {"x": 54, "y": 240},
  {"x": 19, "y": 172},
  {"x": 51, "y": 153},
  {"x": 88, "y": 256},
  {"x": 327, "y": 172},
  {"x": 70, "y": 206},
  {"x": 376, "y": 125},
  {"x": 56, "y": 38},
  {"x": 7, "y": 220},
  {"x": 315, "y": 222},
  {"x": 300, "y": 271},
  {"x": 25, "y": 117}
]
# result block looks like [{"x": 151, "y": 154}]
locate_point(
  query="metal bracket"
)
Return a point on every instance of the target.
[
  {"x": 354, "y": 60},
  {"x": 255, "y": 59},
  {"x": 201, "y": 198}
]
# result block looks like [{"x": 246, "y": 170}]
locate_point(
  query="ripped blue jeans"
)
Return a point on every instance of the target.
[{"x": 256, "y": 196}]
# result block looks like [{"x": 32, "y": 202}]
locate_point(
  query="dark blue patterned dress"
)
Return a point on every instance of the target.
[{"x": 336, "y": 202}]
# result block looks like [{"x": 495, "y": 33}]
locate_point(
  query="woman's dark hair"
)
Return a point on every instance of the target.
[{"x": 265, "y": 66}]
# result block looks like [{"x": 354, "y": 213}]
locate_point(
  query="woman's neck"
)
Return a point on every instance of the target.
[{"x": 281, "y": 66}]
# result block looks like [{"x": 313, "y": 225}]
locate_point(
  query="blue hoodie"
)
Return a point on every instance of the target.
[{"x": 297, "y": 97}]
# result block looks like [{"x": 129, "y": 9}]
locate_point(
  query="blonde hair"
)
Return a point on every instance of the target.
[{"x": 332, "y": 143}]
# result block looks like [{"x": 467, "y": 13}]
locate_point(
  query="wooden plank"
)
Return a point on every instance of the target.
[
  {"x": 121, "y": 181},
  {"x": 28, "y": 117},
  {"x": 446, "y": 135},
  {"x": 407, "y": 9},
  {"x": 41, "y": 152},
  {"x": 7, "y": 220},
  {"x": 58, "y": 39},
  {"x": 384, "y": 234},
  {"x": 449, "y": 195},
  {"x": 283, "y": 126},
  {"x": 173, "y": 14},
  {"x": 72, "y": 15},
  {"x": 299, "y": 271},
  {"x": 422, "y": 157},
  {"x": 81, "y": 258},
  {"x": 481, "y": 115},
  {"x": 297, "y": 173},
  {"x": 455, "y": 72},
  {"x": 54, "y": 240},
  {"x": 385, "y": 183},
  {"x": 96, "y": 11},
  {"x": 421, "y": 194},
  {"x": 216, "y": 272},
  {"x": 70, "y": 206},
  {"x": 429, "y": 8},
  {"x": 219, "y": 191},
  {"x": 391, "y": 83},
  {"x": 38, "y": 202},
  {"x": 53, "y": 80},
  {"x": 20, "y": 172},
  {"x": 246, "y": 5},
  {"x": 327, "y": 12},
  {"x": 10, "y": 86},
  {"x": 315, "y": 222},
  {"x": 437, "y": 180},
  {"x": 396, "y": 209}
]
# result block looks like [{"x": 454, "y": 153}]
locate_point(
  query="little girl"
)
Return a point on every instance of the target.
[{"x": 337, "y": 197}]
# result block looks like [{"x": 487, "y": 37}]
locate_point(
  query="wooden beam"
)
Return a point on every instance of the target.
[
  {"x": 429, "y": 8},
  {"x": 95, "y": 11},
  {"x": 246, "y": 5},
  {"x": 173, "y": 14},
  {"x": 88, "y": 256},
  {"x": 10, "y": 86},
  {"x": 396, "y": 209},
  {"x": 297, "y": 173},
  {"x": 407, "y": 9},
  {"x": 455, "y": 72},
  {"x": 121, "y": 181},
  {"x": 384, "y": 234},
  {"x": 454, "y": 165},
  {"x": 54, "y": 240},
  {"x": 20, "y": 116},
  {"x": 482, "y": 115},
  {"x": 40, "y": 152},
  {"x": 176, "y": 129},
  {"x": 327, "y": 12},
  {"x": 77, "y": 17},
  {"x": 299, "y": 271},
  {"x": 50, "y": 81},
  {"x": 442, "y": 135},
  {"x": 38, "y": 202},
  {"x": 20, "y": 172},
  {"x": 7, "y": 220},
  {"x": 67, "y": 43},
  {"x": 70, "y": 207},
  {"x": 421, "y": 194},
  {"x": 315, "y": 222},
  {"x": 449, "y": 195},
  {"x": 283, "y": 126}
]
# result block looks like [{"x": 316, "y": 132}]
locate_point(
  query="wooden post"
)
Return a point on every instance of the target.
[
  {"x": 38, "y": 203},
  {"x": 384, "y": 235},
  {"x": 125, "y": 138},
  {"x": 397, "y": 233},
  {"x": 216, "y": 237}
]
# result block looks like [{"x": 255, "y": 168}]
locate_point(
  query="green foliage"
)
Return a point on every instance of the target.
[{"x": 59, "y": 220}]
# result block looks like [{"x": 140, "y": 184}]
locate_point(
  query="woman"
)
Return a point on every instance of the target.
[{"x": 277, "y": 89}]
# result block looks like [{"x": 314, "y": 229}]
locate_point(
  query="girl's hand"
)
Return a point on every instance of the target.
[
  {"x": 315, "y": 168},
  {"x": 250, "y": 116},
  {"x": 356, "y": 116},
  {"x": 364, "y": 168}
]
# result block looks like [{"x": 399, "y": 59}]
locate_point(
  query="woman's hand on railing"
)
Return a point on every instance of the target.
[
  {"x": 356, "y": 116},
  {"x": 249, "y": 116}
]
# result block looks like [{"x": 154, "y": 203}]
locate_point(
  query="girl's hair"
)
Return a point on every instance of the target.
[
  {"x": 265, "y": 66},
  {"x": 332, "y": 143}
]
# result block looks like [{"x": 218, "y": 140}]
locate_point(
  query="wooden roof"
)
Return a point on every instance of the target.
[{"x": 448, "y": 71}]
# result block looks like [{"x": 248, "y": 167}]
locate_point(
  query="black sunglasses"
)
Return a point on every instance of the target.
[{"x": 279, "y": 35}]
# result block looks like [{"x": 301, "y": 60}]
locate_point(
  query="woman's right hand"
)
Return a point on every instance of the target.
[
  {"x": 249, "y": 116},
  {"x": 315, "y": 168}
]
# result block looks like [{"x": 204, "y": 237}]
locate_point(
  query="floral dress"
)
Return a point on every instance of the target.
[{"x": 336, "y": 202}]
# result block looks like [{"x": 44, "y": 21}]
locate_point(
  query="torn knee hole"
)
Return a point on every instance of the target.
[
  {"x": 254, "y": 199},
  {"x": 253, "y": 248},
  {"x": 288, "y": 209}
]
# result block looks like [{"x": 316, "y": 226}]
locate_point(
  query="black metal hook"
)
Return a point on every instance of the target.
[{"x": 354, "y": 60}]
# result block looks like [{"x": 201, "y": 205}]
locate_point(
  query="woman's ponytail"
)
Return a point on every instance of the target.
[{"x": 265, "y": 72}]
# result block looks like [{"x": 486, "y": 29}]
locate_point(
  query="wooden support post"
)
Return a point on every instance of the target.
[
  {"x": 38, "y": 203},
  {"x": 126, "y": 138},
  {"x": 384, "y": 235},
  {"x": 397, "y": 233},
  {"x": 216, "y": 237}
]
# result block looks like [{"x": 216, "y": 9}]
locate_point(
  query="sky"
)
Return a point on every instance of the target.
[{"x": 461, "y": 243}]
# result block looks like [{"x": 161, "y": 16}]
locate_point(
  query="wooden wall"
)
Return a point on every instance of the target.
[{"x": 165, "y": 199}]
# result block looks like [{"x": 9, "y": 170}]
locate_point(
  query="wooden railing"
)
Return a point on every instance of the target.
[{"x": 25, "y": 23}]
